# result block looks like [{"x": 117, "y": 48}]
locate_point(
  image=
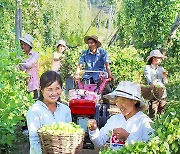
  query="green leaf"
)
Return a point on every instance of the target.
[
  {"x": 166, "y": 145},
  {"x": 2, "y": 85}
]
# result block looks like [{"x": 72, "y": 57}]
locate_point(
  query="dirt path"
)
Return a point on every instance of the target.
[{"x": 23, "y": 147}]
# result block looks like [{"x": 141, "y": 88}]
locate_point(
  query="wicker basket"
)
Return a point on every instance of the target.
[
  {"x": 64, "y": 144},
  {"x": 150, "y": 94}
]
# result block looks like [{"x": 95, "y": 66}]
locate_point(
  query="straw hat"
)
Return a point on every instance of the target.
[
  {"x": 155, "y": 53},
  {"x": 94, "y": 37},
  {"x": 28, "y": 39},
  {"x": 128, "y": 90},
  {"x": 61, "y": 42}
]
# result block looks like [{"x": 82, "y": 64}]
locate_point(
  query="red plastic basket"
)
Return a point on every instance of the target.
[{"x": 82, "y": 107}]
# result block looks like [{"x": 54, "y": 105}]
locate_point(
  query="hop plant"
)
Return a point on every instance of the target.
[{"x": 61, "y": 128}]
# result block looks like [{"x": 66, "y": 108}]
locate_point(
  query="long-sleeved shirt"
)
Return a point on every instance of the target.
[
  {"x": 56, "y": 61},
  {"x": 30, "y": 66},
  {"x": 155, "y": 76},
  {"x": 38, "y": 116},
  {"x": 138, "y": 126}
]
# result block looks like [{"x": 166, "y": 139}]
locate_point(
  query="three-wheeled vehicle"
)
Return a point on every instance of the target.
[{"x": 86, "y": 103}]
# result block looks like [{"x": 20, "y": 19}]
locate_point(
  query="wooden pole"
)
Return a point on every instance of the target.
[{"x": 18, "y": 20}]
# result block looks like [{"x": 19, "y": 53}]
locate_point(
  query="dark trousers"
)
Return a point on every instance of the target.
[
  {"x": 157, "y": 107},
  {"x": 35, "y": 94}
]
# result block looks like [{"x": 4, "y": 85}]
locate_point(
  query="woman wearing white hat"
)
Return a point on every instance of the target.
[
  {"x": 131, "y": 125},
  {"x": 30, "y": 64},
  {"x": 156, "y": 75},
  {"x": 57, "y": 56}
]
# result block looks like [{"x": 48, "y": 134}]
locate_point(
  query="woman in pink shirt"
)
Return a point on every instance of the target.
[
  {"x": 57, "y": 56},
  {"x": 30, "y": 64}
]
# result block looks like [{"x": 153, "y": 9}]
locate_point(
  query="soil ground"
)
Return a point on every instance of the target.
[{"x": 23, "y": 147}]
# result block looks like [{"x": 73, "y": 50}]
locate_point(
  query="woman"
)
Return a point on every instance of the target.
[
  {"x": 131, "y": 125},
  {"x": 156, "y": 75},
  {"x": 30, "y": 64},
  {"x": 47, "y": 109},
  {"x": 57, "y": 56}
]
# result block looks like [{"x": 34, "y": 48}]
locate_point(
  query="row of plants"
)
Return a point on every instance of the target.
[
  {"x": 15, "y": 100},
  {"x": 172, "y": 65},
  {"x": 49, "y": 21},
  {"x": 146, "y": 24}
]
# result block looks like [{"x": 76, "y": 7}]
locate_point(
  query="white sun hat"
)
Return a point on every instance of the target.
[
  {"x": 155, "y": 53},
  {"x": 128, "y": 90},
  {"x": 61, "y": 42},
  {"x": 28, "y": 39}
]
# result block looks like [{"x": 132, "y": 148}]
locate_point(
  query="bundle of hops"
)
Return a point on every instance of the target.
[
  {"x": 61, "y": 138},
  {"x": 61, "y": 129},
  {"x": 155, "y": 93}
]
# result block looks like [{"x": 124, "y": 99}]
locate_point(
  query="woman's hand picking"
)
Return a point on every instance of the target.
[
  {"x": 92, "y": 124},
  {"x": 120, "y": 133}
]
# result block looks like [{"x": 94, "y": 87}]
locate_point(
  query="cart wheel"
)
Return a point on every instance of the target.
[
  {"x": 104, "y": 114},
  {"x": 87, "y": 142},
  {"x": 96, "y": 115}
]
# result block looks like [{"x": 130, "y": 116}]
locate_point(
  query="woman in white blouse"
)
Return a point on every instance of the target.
[
  {"x": 132, "y": 125},
  {"x": 47, "y": 109},
  {"x": 156, "y": 75}
]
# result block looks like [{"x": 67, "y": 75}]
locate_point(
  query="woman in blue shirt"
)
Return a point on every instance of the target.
[{"x": 47, "y": 109}]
